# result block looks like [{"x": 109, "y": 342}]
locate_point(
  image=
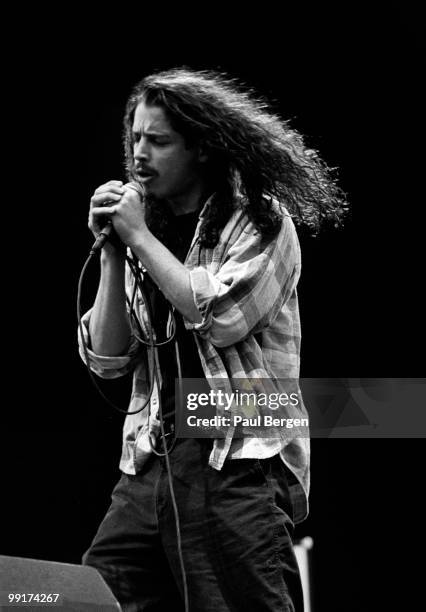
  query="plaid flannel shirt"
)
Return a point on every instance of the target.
[{"x": 245, "y": 290}]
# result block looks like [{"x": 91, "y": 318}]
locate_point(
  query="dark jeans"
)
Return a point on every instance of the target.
[{"x": 236, "y": 527}]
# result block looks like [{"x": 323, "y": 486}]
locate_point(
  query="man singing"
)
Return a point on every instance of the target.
[{"x": 215, "y": 181}]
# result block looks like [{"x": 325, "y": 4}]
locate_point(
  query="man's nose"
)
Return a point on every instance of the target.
[{"x": 141, "y": 150}]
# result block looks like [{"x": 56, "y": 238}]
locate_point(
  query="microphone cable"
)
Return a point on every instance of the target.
[
  {"x": 134, "y": 266},
  {"x": 153, "y": 373}
]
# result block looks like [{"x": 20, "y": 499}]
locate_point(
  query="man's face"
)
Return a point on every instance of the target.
[{"x": 166, "y": 167}]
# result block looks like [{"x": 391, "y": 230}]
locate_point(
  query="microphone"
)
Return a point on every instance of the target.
[{"x": 102, "y": 237}]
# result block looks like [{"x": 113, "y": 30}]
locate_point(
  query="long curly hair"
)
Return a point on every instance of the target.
[{"x": 251, "y": 151}]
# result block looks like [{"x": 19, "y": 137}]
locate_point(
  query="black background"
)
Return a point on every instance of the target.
[{"x": 351, "y": 83}]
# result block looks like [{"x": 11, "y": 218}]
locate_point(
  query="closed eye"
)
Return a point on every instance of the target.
[
  {"x": 159, "y": 141},
  {"x": 152, "y": 139}
]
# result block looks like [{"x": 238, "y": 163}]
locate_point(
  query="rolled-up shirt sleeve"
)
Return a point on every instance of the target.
[
  {"x": 105, "y": 366},
  {"x": 251, "y": 286}
]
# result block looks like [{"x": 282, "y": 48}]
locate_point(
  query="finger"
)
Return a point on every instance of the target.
[
  {"x": 112, "y": 183},
  {"x": 101, "y": 199},
  {"x": 111, "y": 188},
  {"x": 107, "y": 211},
  {"x": 97, "y": 221},
  {"x": 135, "y": 187}
]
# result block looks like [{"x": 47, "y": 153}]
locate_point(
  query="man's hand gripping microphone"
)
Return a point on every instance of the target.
[{"x": 108, "y": 229}]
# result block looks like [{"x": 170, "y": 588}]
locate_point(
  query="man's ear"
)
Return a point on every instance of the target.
[{"x": 202, "y": 154}]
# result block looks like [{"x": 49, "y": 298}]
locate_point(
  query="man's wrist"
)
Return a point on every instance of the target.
[
  {"x": 110, "y": 254},
  {"x": 140, "y": 240}
]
